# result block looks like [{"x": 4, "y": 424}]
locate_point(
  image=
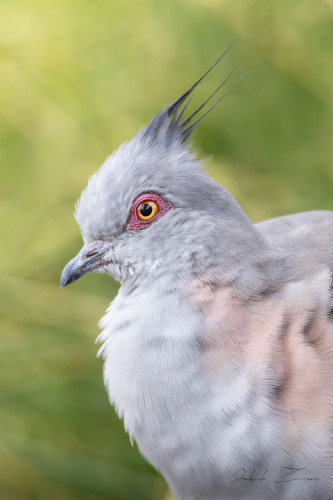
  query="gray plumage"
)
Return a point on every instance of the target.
[{"x": 219, "y": 345}]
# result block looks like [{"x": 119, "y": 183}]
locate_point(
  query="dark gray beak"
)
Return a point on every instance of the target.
[{"x": 90, "y": 257}]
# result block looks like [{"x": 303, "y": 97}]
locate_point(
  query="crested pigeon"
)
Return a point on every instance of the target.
[{"x": 218, "y": 347}]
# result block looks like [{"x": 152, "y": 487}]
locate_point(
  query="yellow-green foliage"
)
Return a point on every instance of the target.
[{"x": 76, "y": 79}]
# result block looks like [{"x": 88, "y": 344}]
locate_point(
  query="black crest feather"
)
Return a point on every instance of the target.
[{"x": 174, "y": 113}]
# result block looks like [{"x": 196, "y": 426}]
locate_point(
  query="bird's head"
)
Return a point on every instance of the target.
[{"x": 151, "y": 209}]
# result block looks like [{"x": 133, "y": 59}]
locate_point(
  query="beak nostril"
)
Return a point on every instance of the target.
[{"x": 90, "y": 254}]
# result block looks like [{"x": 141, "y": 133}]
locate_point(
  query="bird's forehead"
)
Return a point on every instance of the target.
[{"x": 135, "y": 168}]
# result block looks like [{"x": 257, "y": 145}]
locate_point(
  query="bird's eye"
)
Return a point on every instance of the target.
[{"x": 147, "y": 210}]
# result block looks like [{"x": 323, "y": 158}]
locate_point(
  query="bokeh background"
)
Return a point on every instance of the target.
[{"x": 76, "y": 79}]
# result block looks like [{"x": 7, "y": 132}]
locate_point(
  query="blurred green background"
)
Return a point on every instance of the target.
[{"x": 76, "y": 79}]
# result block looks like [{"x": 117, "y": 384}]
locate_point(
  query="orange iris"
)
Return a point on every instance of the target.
[{"x": 147, "y": 210}]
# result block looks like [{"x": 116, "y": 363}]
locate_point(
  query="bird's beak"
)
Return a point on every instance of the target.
[{"x": 87, "y": 260}]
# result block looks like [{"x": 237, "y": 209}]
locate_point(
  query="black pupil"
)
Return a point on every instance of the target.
[{"x": 146, "y": 209}]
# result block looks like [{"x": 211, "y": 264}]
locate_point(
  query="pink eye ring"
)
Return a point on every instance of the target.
[{"x": 147, "y": 208}]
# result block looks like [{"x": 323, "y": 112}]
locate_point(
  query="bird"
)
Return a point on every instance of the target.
[{"x": 218, "y": 348}]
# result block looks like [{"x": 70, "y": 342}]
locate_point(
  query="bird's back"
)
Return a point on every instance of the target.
[{"x": 305, "y": 239}]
